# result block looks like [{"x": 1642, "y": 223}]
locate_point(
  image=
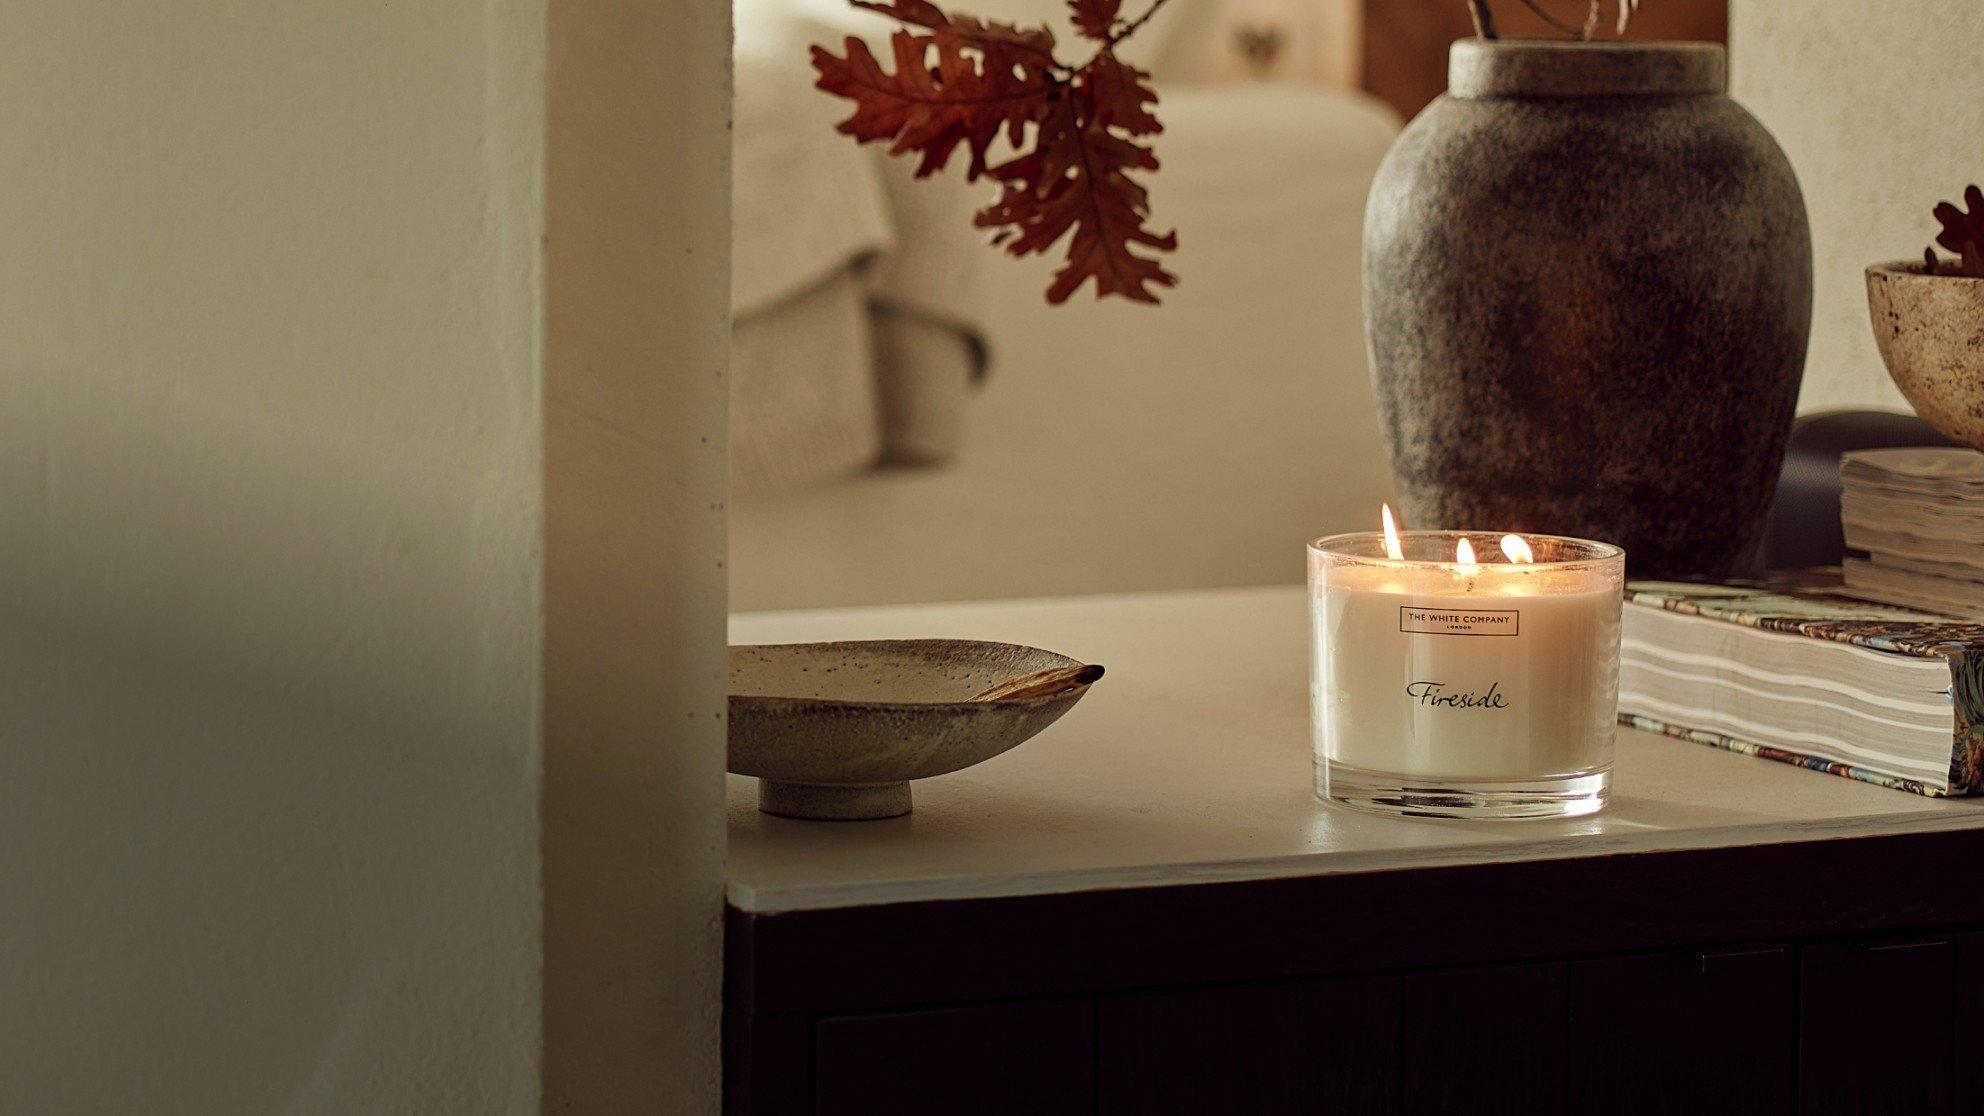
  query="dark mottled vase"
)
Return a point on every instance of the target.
[{"x": 1588, "y": 284}]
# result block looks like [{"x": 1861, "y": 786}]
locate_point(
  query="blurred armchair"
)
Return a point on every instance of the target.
[
  {"x": 1118, "y": 447},
  {"x": 1803, "y": 527}
]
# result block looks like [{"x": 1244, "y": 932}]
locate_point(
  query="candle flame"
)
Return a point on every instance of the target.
[
  {"x": 1392, "y": 548},
  {"x": 1517, "y": 551},
  {"x": 1464, "y": 556}
]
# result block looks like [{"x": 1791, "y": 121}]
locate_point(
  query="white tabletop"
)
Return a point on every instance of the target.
[{"x": 1190, "y": 762}]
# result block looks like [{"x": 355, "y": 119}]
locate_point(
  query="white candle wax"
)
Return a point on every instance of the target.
[{"x": 1440, "y": 672}]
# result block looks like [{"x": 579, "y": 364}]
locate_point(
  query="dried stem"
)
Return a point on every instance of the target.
[
  {"x": 1484, "y": 17},
  {"x": 1131, "y": 27},
  {"x": 1594, "y": 14}
]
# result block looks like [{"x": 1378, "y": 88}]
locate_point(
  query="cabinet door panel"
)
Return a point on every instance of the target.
[
  {"x": 1688, "y": 1031},
  {"x": 1003, "y": 1058},
  {"x": 1308, "y": 1047},
  {"x": 1875, "y": 1028},
  {"x": 1483, "y": 1041},
  {"x": 1969, "y": 1068}
]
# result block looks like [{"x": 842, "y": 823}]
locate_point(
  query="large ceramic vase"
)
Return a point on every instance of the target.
[{"x": 1588, "y": 283}]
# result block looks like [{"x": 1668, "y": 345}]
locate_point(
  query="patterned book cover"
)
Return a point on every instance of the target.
[{"x": 1807, "y": 603}]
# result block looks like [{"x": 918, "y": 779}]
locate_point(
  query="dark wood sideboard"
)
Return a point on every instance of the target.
[
  {"x": 1828, "y": 976},
  {"x": 1146, "y": 910}
]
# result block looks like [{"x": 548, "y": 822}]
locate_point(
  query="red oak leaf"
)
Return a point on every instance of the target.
[
  {"x": 1037, "y": 43},
  {"x": 1095, "y": 19},
  {"x": 938, "y": 97},
  {"x": 958, "y": 81},
  {"x": 1119, "y": 93},
  {"x": 1074, "y": 181}
]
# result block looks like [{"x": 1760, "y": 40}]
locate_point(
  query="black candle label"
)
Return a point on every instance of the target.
[{"x": 1459, "y": 621}]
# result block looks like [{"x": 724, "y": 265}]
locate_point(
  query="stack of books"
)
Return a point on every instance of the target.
[
  {"x": 1873, "y": 671},
  {"x": 1793, "y": 670},
  {"x": 1914, "y": 525}
]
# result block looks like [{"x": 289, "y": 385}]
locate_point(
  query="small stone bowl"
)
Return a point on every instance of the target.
[
  {"x": 835, "y": 731},
  {"x": 1930, "y": 330}
]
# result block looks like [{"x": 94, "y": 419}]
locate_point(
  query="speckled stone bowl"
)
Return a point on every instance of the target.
[
  {"x": 836, "y": 731},
  {"x": 1930, "y": 329}
]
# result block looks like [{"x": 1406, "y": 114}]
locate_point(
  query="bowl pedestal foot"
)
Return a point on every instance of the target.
[{"x": 833, "y": 803}]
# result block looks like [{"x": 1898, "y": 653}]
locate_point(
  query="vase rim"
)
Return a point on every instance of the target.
[
  {"x": 1912, "y": 269},
  {"x": 1480, "y": 68}
]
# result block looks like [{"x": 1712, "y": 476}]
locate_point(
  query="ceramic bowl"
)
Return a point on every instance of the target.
[
  {"x": 1930, "y": 330},
  {"x": 837, "y": 730}
]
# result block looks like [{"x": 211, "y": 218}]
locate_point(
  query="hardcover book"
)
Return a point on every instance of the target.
[{"x": 1791, "y": 670}]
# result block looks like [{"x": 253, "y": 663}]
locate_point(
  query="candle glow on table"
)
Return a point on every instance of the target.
[{"x": 1447, "y": 685}]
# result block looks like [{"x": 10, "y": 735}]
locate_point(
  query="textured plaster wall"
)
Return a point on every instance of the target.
[
  {"x": 637, "y": 344},
  {"x": 269, "y": 535},
  {"x": 1880, "y": 125}
]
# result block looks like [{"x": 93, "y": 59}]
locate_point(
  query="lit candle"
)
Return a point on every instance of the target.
[{"x": 1465, "y": 674}]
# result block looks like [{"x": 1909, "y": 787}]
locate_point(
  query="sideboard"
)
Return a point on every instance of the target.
[{"x": 1146, "y": 910}]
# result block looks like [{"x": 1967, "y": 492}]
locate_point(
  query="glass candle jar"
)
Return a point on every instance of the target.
[{"x": 1470, "y": 675}]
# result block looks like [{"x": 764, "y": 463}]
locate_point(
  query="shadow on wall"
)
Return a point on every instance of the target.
[
  {"x": 262, "y": 778},
  {"x": 259, "y": 547}
]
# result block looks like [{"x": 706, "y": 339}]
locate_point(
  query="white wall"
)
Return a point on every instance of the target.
[
  {"x": 1881, "y": 122},
  {"x": 637, "y": 345},
  {"x": 268, "y": 555}
]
